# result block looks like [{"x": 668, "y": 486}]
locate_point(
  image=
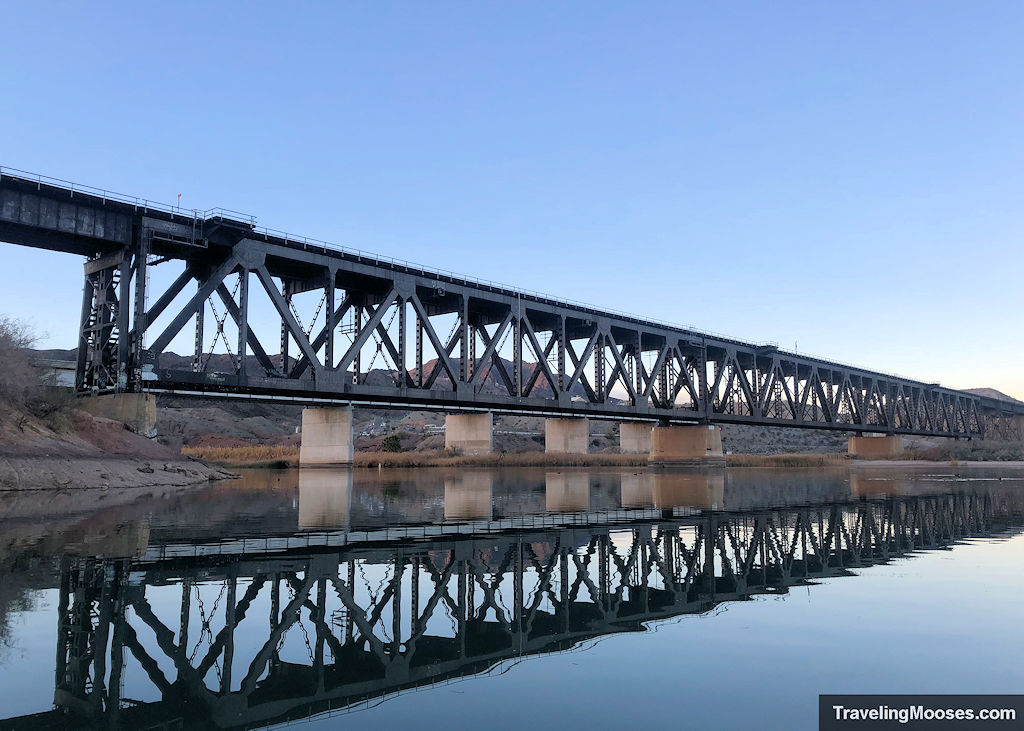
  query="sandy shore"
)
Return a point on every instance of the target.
[{"x": 80, "y": 472}]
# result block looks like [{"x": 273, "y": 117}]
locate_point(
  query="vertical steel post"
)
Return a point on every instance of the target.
[
  {"x": 517, "y": 357},
  {"x": 419, "y": 351},
  {"x": 82, "y": 378},
  {"x": 123, "y": 324},
  {"x": 403, "y": 367},
  {"x": 464, "y": 348},
  {"x": 139, "y": 320},
  {"x": 357, "y": 364},
  {"x": 329, "y": 327},
  {"x": 286, "y": 292},
  {"x": 243, "y": 318},
  {"x": 199, "y": 344},
  {"x": 561, "y": 355}
]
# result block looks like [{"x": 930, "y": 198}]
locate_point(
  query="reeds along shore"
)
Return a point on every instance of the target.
[{"x": 288, "y": 456}]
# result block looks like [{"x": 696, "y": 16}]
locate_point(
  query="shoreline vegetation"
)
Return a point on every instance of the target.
[{"x": 284, "y": 456}]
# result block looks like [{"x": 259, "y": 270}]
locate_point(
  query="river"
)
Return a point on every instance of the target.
[{"x": 510, "y": 598}]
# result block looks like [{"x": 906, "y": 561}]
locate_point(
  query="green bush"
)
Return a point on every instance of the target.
[{"x": 391, "y": 443}]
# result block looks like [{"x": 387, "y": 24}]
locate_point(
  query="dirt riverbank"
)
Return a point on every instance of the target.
[{"x": 91, "y": 452}]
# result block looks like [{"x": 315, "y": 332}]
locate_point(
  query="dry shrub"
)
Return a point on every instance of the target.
[
  {"x": 23, "y": 393},
  {"x": 256, "y": 455},
  {"x": 983, "y": 450},
  {"x": 20, "y": 381}
]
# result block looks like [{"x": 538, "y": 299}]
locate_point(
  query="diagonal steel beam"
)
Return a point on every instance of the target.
[
  {"x": 321, "y": 339},
  {"x": 658, "y": 365},
  {"x": 428, "y": 328},
  {"x": 207, "y": 288},
  {"x": 286, "y": 313},
  {"x": 541, "y": 367},
  {"x": 251, "y": 337},
  {"x": 367, "y": 330},
  {"x": 169, "y": 294},
  {"x": 619, "y": 368},
  {"x": 496, "y": 360},
  {"x": 435, "y": 372},
  {"x": 490, "y": 343},
  {"x": 580, "y": 363}
]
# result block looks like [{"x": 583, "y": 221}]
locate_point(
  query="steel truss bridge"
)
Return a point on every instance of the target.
[
  {"x": 339, "y": 628},
  {"x": 353, "y": 327}
]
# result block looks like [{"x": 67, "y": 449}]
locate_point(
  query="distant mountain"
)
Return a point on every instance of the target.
[{"x": 992, "y": 393}]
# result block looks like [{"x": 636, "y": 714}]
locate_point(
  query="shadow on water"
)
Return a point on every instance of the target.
[{"x": 289, "y": 594}]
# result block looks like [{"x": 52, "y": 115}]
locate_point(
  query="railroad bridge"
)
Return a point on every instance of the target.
[
  {"x": 328, "y": 327},
  {"x": 247, "y": 632}
]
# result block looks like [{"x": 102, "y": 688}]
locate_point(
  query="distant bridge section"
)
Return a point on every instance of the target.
[{"x": 353, "y": 327}]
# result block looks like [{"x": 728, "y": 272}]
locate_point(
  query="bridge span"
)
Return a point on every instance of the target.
[{"x": 354, "y": 328}]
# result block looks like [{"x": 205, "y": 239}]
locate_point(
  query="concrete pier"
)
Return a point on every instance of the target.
[
  {"x": 686, "y": 444},
  {"x": 1018, "y": 424},
  {"x": 326, "y": 437},
  {"x": 325, "y": 498},
  {"x": 469, "y": 433},
  {"x": 566, "y": 436},
  {"x": 634, "y": 438},
  {"x": 137, "y": 411},
  {"x": 876, "y": 447},
  {"x": 468, "y": 496},
  {"x": 567, "y": 492}
]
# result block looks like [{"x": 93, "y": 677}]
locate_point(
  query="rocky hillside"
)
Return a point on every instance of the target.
[{"x": 992, "y": 393}]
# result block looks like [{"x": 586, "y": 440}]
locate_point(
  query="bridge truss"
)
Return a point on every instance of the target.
[{"x": 353, "y": 327}]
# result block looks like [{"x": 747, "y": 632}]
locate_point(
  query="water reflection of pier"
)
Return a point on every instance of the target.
[{"x": 283, "y": 628}]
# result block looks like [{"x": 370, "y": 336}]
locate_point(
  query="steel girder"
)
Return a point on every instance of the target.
[
  {"x": 391, "y": 333},
  {"x": 364, "y": 622}
]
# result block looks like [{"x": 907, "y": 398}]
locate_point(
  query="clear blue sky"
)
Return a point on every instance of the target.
[{"x": 845, "y": 176}]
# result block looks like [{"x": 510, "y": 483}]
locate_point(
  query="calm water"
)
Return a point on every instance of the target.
[{"x": 465, "y": 599}]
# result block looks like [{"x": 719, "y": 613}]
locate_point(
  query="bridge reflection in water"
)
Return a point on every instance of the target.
[{"x": 242, "y": 632}]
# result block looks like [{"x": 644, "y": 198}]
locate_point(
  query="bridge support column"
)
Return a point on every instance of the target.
[
  {"x": 326, "y": 437},
  {"x": 634, "y": 438},
  {"x": 469, "y": 433},
  {"x": 686, "y": 444},
  {"x": 137, "y": 411},
  {"x": 1018, "y": 425},
  {"x": 566, "y": 436},
  {"x": 878, "y": 447}
]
